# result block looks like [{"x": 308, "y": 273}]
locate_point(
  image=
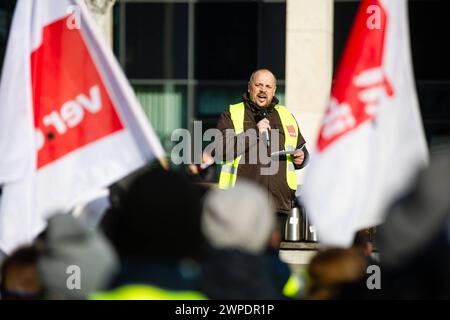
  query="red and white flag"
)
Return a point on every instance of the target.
[
  {"x": 371, "y": 142},
  {"x": 70, "y": 123}
]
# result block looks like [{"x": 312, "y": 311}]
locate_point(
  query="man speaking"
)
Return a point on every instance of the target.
[{"x": 273, "y": 126}]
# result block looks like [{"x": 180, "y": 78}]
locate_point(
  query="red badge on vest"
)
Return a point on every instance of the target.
[{"x": 291, "y": 131}]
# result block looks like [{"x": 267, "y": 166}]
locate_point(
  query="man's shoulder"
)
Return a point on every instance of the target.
[
  {"x": 281, "y": 106},
  {"x": 237, "y": 105},
  {"x": 284, "y": 109},
  {"x": 233, "y": 105}
]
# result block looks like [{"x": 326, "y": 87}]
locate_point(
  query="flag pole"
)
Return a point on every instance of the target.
[{"x": 164, "y": 163}]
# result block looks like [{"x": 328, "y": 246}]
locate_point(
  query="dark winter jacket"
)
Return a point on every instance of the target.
[
  {"x": 233, "y": 274},
  {"x": 276, "y": 185}
]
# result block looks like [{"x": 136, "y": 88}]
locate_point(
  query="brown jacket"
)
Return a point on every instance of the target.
[{"x": 276, "y": 185}]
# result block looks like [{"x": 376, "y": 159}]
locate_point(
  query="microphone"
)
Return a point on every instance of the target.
[
  {"x": 265, "y": 135},
  {"x": 265, "y": 132}
]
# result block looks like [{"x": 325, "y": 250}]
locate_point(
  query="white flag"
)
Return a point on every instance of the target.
[
  {"x": 371, "y": 142},
  {"x": 69, "y": 121}
]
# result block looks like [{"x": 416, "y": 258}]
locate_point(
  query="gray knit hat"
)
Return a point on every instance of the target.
[
  {"x": 240, "y": 218},
  {"x": 70, "y": 251}
]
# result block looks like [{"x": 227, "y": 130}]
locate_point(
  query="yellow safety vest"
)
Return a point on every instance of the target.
[
  {"x": 228, "y": 174},
  {"x": 295, "y": 286},
  {"x": 146, "y": 292}
]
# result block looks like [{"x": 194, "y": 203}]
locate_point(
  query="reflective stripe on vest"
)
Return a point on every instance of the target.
[
  {"x": 292, "y": 287},
  {"x": 145, "y": 292},
  {"x": 290, "y": 143},
  {"x": 295, "y": 287},
  {"x": 228, "y": 174}
]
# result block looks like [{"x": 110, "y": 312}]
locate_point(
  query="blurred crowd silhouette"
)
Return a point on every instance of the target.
[{"x": 165, "y": 236}]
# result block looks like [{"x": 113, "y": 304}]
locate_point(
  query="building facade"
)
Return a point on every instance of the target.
[{"x": 189, "y": 59}]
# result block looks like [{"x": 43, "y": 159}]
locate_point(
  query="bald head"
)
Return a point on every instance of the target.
[
  {"x": 261, "y": 87},
  {"x": 266, "y": 71}
]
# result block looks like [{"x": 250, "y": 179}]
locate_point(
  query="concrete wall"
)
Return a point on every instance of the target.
[
  {"x": 101, "y": 11},
  {"x": 309, "y": 63}
]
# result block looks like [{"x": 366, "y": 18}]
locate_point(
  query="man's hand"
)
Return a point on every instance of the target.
[
  {"x": 299, "y": 156},
  {"x": 263, "y": 125}
]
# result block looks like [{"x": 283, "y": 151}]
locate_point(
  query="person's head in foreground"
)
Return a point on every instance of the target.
[
  {"x": 332, "y": 270},
  {"x": 75, "y": 261},
  {"x": 19, "y": 276},
  {"x": 239, "y": 225},
  {"x": 158, "y": 237}
]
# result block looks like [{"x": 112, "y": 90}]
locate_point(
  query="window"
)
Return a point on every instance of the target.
[
  {"x": 214, "y": 98},
  {"x": 429, "y": 34},
  {"x": 156, "y": 40},
  {"x": 226, "y": 40},
  {"x": 165, "y": 107},
  {"x": 188, "y": 60},
  {"x": 232, "y": 39}
]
